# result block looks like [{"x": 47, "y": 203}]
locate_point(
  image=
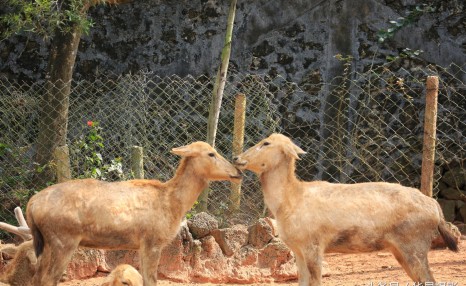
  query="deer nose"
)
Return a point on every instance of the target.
[{"x": 235, "y": 158}]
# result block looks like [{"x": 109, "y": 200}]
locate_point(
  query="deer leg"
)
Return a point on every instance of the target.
[
  {"x": 413, "y": 259},
  {"x": 309, "y": 263},
  {"x": 303, "y": 272},
  {"x": 52, "y": 262},
  {"x": 313, "y": 257},
  {"x": 150, "y": 256}
]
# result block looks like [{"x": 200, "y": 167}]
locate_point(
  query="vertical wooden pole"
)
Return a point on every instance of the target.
[
  {"x": 137, "y": 162},
  {"x": 61, "y": 156},
  {"x": 238, "y": 142},
  {"x": 430, "y": 123},
  {"x": 220, "y": 80},
  {"x": 217, "y": 95}
]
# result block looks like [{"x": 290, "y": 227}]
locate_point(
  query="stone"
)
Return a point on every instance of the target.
[
  {"x": 260, "y": 233},
  {"x": 246, "y": 256},
  {"x": 294, "y": 30},
  {"x": 258, "y": 63},
  {"x": 85, "y": 263},
  {"x": 462, "y": 211},
  {"x": 210, "y": 247},
  {"x": 455, "y": 178},
  {"x": 210, "y": 265},
  {"x": 448, "y": 208},
  {"x": 115, "y": 257},
  {"x": 172, "y": 256},
  {"x": 284, "y": 59},
  {"x": 231, "y": 239},
  {"x": 273, "y": 255},
  {"x": 452, "y": 193},
  {"x": 201, "y": 224},
  {"x": 263, "y": 49},
  {"x": 176, "y": 257},
  {"x": 462, "y": 229}
]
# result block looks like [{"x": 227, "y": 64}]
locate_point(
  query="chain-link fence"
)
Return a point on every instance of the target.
[{"x": 359, "y": 127}]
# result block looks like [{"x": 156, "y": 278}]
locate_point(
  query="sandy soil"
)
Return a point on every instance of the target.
[{"x": 371, "y": 269}]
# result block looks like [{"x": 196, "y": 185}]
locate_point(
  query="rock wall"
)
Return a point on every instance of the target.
[
  {"x": 296, "y": 39},
  {"x": 452, "y": 195}
]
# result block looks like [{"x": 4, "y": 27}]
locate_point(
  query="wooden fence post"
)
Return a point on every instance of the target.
[
  {"x": 137, "y": 162},
  {"x": 61, "y": 156},
  {"x": 238, "y": 142},
  {"x": 430, "y": 123}
]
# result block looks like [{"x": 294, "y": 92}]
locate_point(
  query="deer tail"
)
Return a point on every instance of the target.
[
  {"x": 447, "y": 236},
  {"x": 37, "y": 237}
]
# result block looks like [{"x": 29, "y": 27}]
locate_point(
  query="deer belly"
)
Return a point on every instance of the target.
[{"x": 111, "y": 239}]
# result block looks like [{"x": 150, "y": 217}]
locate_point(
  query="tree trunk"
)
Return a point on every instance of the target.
[{"x": 53, "y": 120}]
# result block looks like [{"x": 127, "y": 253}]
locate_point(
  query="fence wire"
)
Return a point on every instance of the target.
[{"x": 359, "y": 127}]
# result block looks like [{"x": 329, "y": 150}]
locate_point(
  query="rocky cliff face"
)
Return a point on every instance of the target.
[{"x": 297, "y": 39}]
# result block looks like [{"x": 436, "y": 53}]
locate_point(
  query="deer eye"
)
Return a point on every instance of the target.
[
  {"x": 266, "y": 143},
  {"x": 211, "y": 155}
]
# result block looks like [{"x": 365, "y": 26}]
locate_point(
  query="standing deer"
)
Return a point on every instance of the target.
[
  {"x": 21, "y": 268},
  {"x": 142, "y": 215},
  {"x": 318, "y": 217}
]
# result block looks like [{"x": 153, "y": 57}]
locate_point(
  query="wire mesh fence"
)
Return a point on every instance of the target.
[{"x": 359, "y": 127}]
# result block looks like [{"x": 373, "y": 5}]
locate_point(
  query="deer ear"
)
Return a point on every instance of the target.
[
  {"x": 294, "y": 151},
  {"x": 10, "y": 250},
  {"x": 183, "y": 151}
]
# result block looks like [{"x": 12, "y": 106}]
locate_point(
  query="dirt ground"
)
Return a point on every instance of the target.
[{"x": 369, "y": 269}]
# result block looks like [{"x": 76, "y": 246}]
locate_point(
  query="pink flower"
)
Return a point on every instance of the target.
[{"x": 90, "y": 123}]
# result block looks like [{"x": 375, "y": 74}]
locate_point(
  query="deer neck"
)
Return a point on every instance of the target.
[
  {"x": 277, "y": 185},
  {"x": 186, "y": 186}
]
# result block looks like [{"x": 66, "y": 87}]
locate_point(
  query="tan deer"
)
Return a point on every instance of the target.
[
  {"x": 318, "y": 217},
  {"x": 142, "y": 215},
  {"x": 123, "y": 275},
  {"x": 22, "y": 267}
]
